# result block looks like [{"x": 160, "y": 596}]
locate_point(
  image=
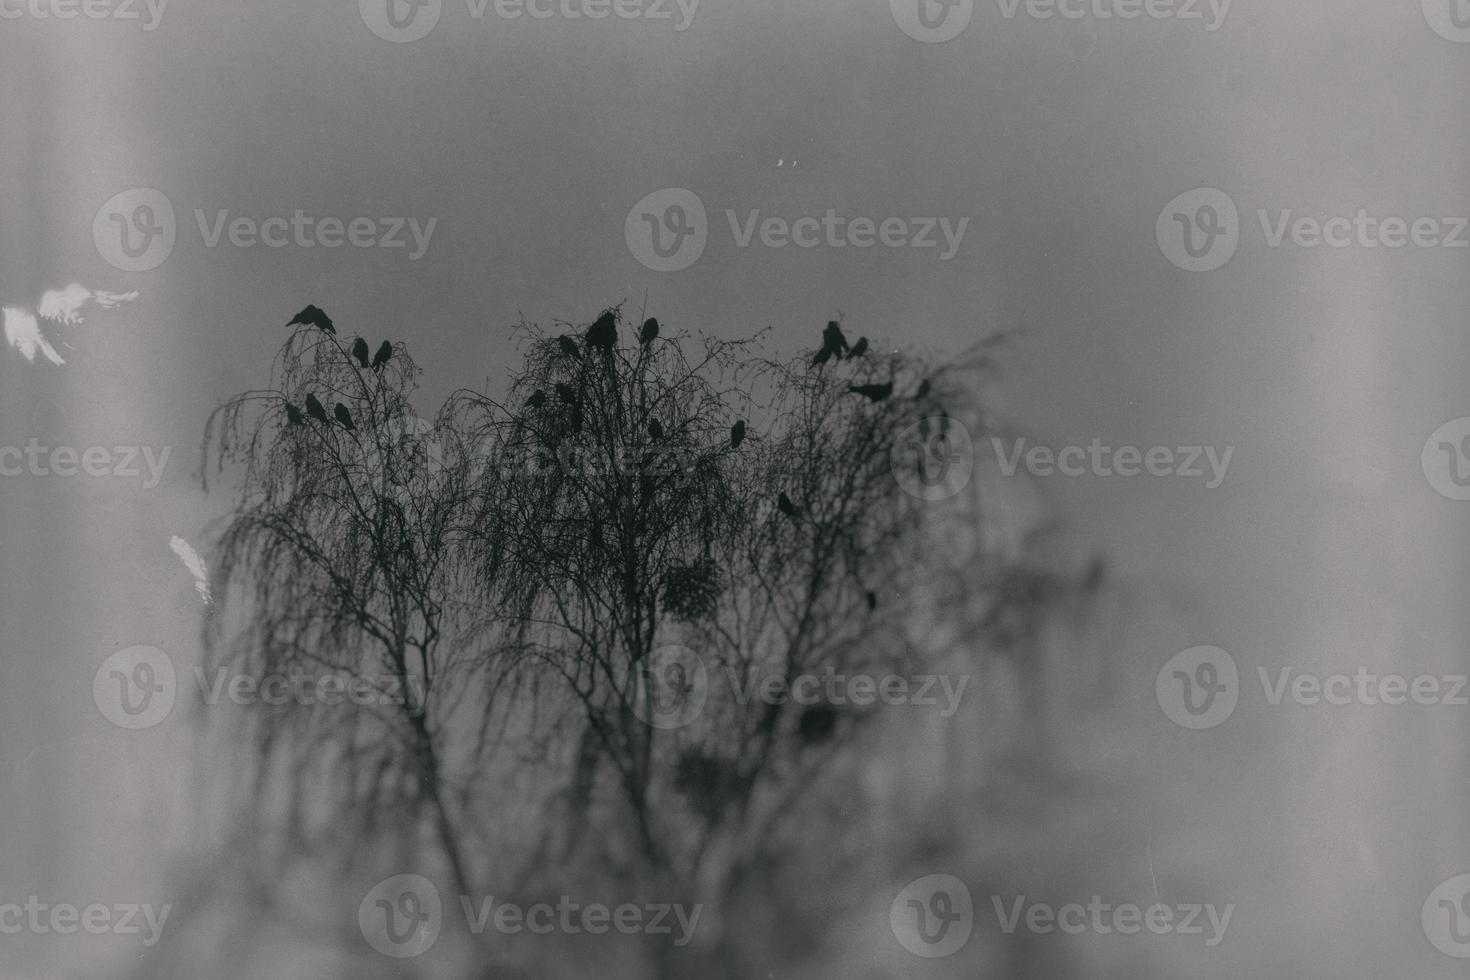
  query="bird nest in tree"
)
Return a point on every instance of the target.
[{"x": 690, "y": 590}]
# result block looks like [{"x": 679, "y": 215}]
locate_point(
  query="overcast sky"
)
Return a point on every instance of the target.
[{"x": 1058, "y": 143}]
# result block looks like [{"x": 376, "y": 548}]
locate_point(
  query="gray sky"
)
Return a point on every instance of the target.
[{"x": 1059, "y": 140}]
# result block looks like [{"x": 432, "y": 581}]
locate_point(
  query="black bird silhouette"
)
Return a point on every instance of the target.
[
  {"x": 649, "y": 333},
  {"x": 315, "y": 410},
  {"x": 293, "y": 415},
  {"x": 860, "y": 348},
  {"x": 787, "y": 507},
  {"x": 344, "y": 416},
  {"x": 537, "y": 399},
  {"x": 360, "y": 351},
  {"x": 385, "y": 351},
  {"x": 568, "y": 346},
  {"x": 603, "y": 335},
  {"x": 817, "y": 723},
  {"x": 924, "y": 389},
  {"x": 313, "y": 316},
  {"x": 872, "y": 601},
  {"x": 834, "y": 344},
  {"x": 567, "y": 394},
  {"x": 655, "y": 428},
  {"x": 873, "y": 393},
  {"x": 834, "y": 338},
  {"x": 737, "y": 434}
]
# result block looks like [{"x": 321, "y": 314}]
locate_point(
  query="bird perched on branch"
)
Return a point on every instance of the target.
[
  {"x": 655, "y": 429},
  {"x": 385, "y": 351},
  {"x": 834, "y": 344},
  {"x": 568, "y": 346},
  {"x": 603, "y": 335},
  {"x": 313, "y": 316},
  {"x": 344, "y": 416},
  {"x": 784, "y": 503},
  {"x": 649, "y": 333},
  {"x": 737, "y": 434},
  {"x": 859, "y": 349},
  {"x": 567, "y": 394},
  {"x": 293, "y": 415},
  {"x": 537, "y": 399},
  {"x": 315, "y": 410},
  {"x": 360, "y": 351}
]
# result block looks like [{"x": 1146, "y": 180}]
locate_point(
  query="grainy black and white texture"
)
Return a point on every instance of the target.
[{"x": 697, "y": 488}]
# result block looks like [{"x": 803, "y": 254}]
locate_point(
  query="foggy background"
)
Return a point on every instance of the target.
[{"x": 1324, "y": 549}]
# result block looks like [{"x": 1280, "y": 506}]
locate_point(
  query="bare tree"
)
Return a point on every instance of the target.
[{"x": 579, "y": 589}]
